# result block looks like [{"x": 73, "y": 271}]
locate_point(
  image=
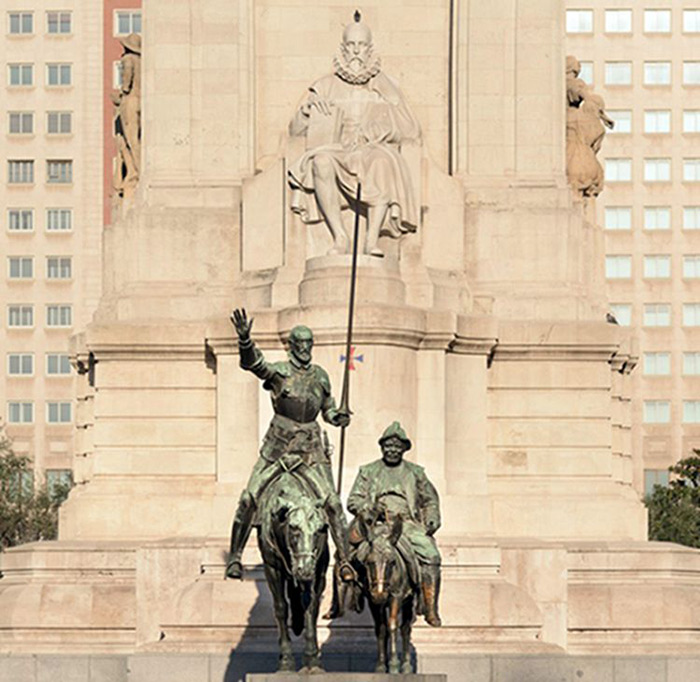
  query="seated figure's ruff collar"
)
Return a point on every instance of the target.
[{"x": 361, "y": 77}]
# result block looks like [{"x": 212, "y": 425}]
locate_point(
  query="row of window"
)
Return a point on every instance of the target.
[
  {"x": 655, "y": 170},
  {"x": 655, "y": 218},
  {"x": 656, "y": 266},
  {"x": 21, "y": 171},
  {"x": 22, "y": 122},
  {"x": 22, "y": 412},
  {"x": 654, "y": 73},
  {"x": 659, "y": 412},
  {"x": 53, "y": 478},
  {"x": 57, "y": 75},
  {"x": 61, "y": 22},
  {"x": 656, "y": 314},
  {"x": 22, "y": 315},
  {"x": 22, "y": 267},
  {"x": 57, "y": 219},
  {"x": 22, "y": 364},
  {"x": 656, "y": 121},
  {"x": 658, "y": 363},
  {"x": 620, "y": 21}
]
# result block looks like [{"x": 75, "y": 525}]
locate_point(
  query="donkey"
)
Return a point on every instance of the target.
[
  {"x": 385, "y": 582},
  {"x": 293, "y": 541}
]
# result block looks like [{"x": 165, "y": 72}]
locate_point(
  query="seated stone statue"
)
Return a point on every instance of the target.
[
  {"x": 393, "y": 487},
  {"x": 300, "y": 391},
  {"x": 355, "y": 121}
]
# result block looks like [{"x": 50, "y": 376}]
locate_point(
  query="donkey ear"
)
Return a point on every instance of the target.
[{"x": 396, "y": 530}]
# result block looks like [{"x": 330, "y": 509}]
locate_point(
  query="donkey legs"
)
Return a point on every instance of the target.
[
  {"x": 380, "y": 630},
  {"x": 394, "y": 662},
  {"x": 406, "y": 623},
  {"x": 275, "y": 582}
]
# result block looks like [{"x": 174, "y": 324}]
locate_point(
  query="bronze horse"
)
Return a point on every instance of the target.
[{"x": 293, "y": 541}]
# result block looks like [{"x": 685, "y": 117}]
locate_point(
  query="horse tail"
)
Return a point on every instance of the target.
[{"x": 296, "y": 603}]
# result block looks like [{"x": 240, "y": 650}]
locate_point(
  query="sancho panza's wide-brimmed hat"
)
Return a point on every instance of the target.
[
  {"x": 395, "y": 430},
  {"x": 132, "y": 42}
]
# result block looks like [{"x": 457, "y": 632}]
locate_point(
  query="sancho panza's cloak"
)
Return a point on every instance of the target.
[{"x": 372, "y": 119}]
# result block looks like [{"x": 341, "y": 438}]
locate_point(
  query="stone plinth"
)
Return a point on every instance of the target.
[{"x": 345, "y": 677}]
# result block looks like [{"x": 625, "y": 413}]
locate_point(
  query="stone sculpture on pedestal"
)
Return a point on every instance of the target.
[
  {"x": 355, "y": 121},
  {"x": 586, "y": 121},
  {"x": 127, "y": 122}
]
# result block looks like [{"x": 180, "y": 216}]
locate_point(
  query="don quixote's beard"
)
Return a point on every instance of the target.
[{"x": 343, "y": 69}]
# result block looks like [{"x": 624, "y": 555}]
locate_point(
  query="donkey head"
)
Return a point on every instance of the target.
[{"x": 382, "y": 558}]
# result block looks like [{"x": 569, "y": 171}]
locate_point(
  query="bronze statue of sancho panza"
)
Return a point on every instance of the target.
[{"x": 300, "y": 391}]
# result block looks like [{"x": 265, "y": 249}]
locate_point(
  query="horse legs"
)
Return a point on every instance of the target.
[
  {"x": 394, "y": 663},
  {"x": 406, "y": 622},
  {"x": 379, "y": 615},
  {"x": 275, "y": 582}
]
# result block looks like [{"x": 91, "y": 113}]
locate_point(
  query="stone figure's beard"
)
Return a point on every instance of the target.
[{"x": 354, "y": 70}]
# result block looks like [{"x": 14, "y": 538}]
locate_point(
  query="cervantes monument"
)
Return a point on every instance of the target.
[{"x": 479, "y": 325}]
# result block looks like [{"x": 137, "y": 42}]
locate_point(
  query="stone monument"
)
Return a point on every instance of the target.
[{"x": 483, "y": 331}]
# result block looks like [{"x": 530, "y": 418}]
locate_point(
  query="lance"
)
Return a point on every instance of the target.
[{"x": 345, "y": 395}]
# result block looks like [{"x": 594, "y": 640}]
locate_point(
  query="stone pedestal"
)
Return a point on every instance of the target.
[{"x": 345, "y": 677}]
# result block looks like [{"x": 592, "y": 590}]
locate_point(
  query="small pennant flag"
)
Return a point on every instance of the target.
[{"x": 353, "y": 358}]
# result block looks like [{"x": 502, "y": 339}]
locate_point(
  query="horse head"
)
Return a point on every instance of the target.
[
  {"x": 304, "y": 527},
  {"x": 383, "y": 557}
]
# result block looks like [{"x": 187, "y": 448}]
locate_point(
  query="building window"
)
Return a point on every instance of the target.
[
  {"x": 20, "y": 172},
  {"x": 618, "y": 21},
  {"x": 691, "y": 314},
  {"x": 21, "y": 23},
  {"x": 586, "y": 73},
  {"x": 691, "y": 411},
  {"x": 20, "y": 412},
  {"x": 623, "y": 120},
  {"x": 657, "y": 170},
  {"x": 691, "y": 170},
  {"x": 658, "y": 363},
  {"x": 20, "y": 364},
  {"x": 59, "y": 122},
  {"x": 20, "y": 267},
  {"x": 691, "y": 267},
  {"x": 21, "y": 74},
  {"x": 57, "y": 364},
  {"x": 58, "y": 22},
  {"x": 654, "y": 477},
  {"x": 691, "y": 121},
  {"x": 20, "y": 122},
  {"x": 691, "y": 20},
  {"x": 657, "y": 121},
  {"x": 59, "y": 74},
  {"x": 20, "y": 316},
  {"x": 657, "y": 20},
  {"x": 618, "y": 170},
  {"x": 59, "y": 219},
  {"x": 58, "y": 412},
  {"x": 691, "y": 364},
  {"x": 618, "y": 267},
  {"x": 59, "y": 315},
  {"x": 618, "y": 218},
  {"x": 657, "y": 73},
  {"x": 622, "y": 313},
  {"x": 657, "y": 411},
  {"x": 20, "y": 220},
  {"x": 59, "y": 172},
  {"x": 657, "y": 267},
  {"x": 691, "y": 217},
  {"x": 657, "y": 315},
  {"x": 691, "y": 73},
  {"x": 126, "y": 22},
  {"x": 618, "y": 73},
  {"x": 59, "y": 267},
  {"x": 58, "y": 478},
  {"x": 657, "y": 218}
]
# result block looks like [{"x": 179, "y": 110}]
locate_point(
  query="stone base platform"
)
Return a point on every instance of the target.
[{"x": 447, "y": 668}]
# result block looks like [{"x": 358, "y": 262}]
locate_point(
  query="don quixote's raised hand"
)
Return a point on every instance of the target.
[{"x": 241, "y": 323}]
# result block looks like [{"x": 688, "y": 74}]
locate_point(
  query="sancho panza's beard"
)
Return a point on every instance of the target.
[{"x": 354, "y": 70}]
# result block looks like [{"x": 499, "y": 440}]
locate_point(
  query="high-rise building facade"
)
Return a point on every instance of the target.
[
  {"x": 51, "y": 199},
  {"x": 644, "y": 59}
]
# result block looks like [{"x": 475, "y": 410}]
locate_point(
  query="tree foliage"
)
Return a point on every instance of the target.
[
  {"x": 26, "y": 514},
  {"x": 674, "y": 511}
]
